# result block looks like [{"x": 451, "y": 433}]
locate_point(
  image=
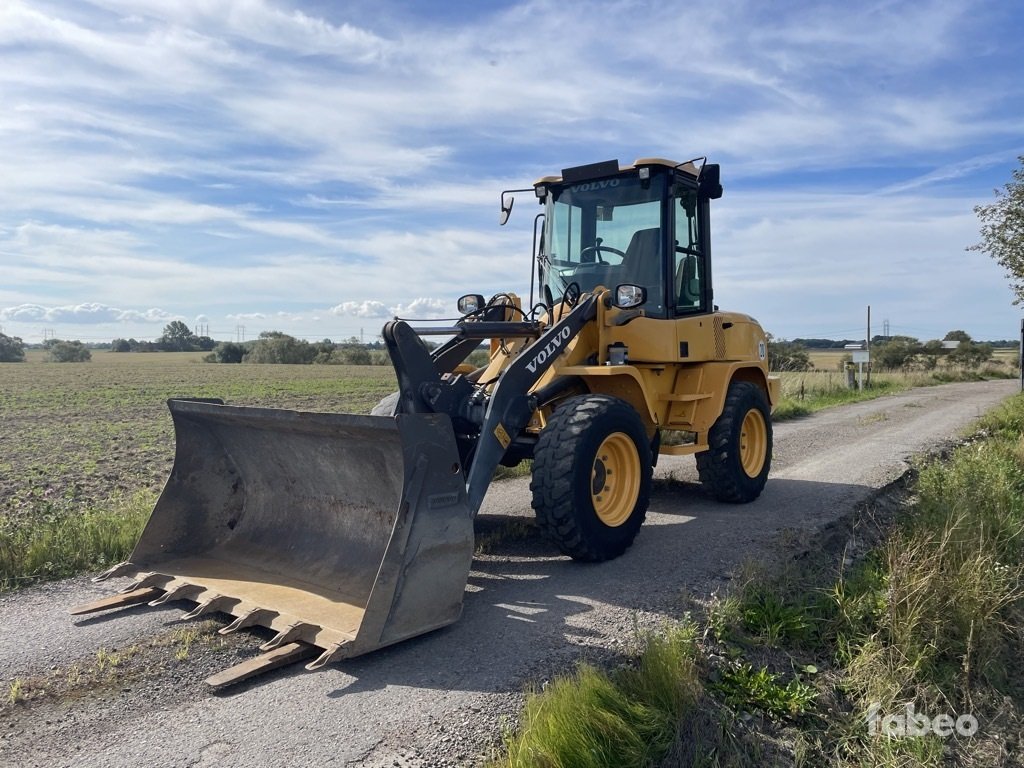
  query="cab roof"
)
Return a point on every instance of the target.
[{"x": 611, "y": 167}]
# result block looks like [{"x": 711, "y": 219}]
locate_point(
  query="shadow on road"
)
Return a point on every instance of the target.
[{"x": 527, "y": 608}]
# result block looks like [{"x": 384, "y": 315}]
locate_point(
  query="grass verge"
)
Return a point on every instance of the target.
[
  {"x": 43, "y": 537},
  {"x": 626, "y": 717},
  {"x": 807, "y": 392},
  {"x": 894, "y": 642}
]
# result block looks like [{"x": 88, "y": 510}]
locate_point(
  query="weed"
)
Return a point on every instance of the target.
[
  {"x": 745, "y": 688},
  {"x": 184, "y": 638},
  {"x": 771, "y": 619},
  {"x": 16, "y": 691},
  {"x": 106, "y": 661}
]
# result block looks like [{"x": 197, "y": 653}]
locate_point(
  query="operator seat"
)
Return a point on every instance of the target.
[{"x": 642, "y": 266}]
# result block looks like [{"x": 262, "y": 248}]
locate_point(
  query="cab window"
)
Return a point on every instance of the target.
[{"x": 688, "y": 265}]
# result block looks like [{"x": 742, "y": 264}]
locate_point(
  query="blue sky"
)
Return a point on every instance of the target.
[{"x": 318, "y": 167}]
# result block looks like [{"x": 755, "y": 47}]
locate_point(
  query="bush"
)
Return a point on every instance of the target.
[
  {"x": 58, "y": 351},
  {"x": 227, "y": 352},
  {"x": 787, "y": 356},
  {"x": 352, "y": 355},
  {"x": 12, "y": 349},
  {"x": 277, "y": 347}
]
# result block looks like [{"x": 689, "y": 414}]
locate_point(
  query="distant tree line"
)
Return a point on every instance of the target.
[
  {"x": 891, "y": 353},
  {"x": 278, "y": 347},
  {"x": 12, "y": 350},
  {"x": 177, "y": 337}
]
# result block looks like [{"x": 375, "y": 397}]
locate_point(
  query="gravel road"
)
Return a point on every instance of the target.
[{"x": 442, "y": 699}]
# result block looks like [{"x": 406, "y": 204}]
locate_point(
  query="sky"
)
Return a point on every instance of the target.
[{"x": 318, "y": 168}]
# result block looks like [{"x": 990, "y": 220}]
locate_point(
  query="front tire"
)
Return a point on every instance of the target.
[
  {"x": 592, "y": 477},
  {"x": 735, "y": 466}
]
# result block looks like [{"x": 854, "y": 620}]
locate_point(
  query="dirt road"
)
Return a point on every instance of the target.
[{"x": 441, "y": 699}]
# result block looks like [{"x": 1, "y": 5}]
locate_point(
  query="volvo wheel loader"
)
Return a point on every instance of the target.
[{"x": 343, "y": 533}]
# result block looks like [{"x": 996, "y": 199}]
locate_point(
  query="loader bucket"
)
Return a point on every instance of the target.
[{"x": 341, "y": 533}]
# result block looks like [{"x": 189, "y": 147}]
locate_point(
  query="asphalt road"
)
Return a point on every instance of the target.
[{"x": 442, "y": 699}]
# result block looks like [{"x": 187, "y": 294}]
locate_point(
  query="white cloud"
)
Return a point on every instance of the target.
[
  {"x": 226, "y": 157},
  {"x": 375, "y": 309},
  {"x": 426, "y": 309},
  {"x": 421, "y": 308},
  {"x": 90, "y": 313}
]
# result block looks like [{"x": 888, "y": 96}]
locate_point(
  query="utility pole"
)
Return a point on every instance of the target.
[{"x": 868, "y": 346}]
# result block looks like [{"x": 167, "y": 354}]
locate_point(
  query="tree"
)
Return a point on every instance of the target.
[
  {"x": 229, "y": 352},
  {"x": 352, "y": 354},
  {"x": 12, "y": 349},
  {"x": 787, "y": 356},
  {"x": 67, "y": 352},
  {"x": 120, "y": 345},
  {"x": 178, "y": 337},
  {"x": 278, "y": 347},
  {"x": 898, "y": 353},
  {"x": 970, "y": 355},
  {"x": 1002, "y": 230},
  {"x": 957, "y": 336}
]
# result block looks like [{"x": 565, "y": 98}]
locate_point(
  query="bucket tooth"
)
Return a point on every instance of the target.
[
  {"x": 209, "y": 605},
  {"x": 290, "y": 653},
  {"x": 340, "y": 533},
  {"x": 293, "y": 631},
  {"x": 248, "y": 619},
  {"x": 148, "y": 580},
  {"x": 121, "y": 569},
  {"x": 333, "y": 653},
  {"x": 117, "y": 601},
  {"x": 177, "y": 592}
]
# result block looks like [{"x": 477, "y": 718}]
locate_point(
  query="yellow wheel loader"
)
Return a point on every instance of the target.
[{"x": 343, "y": 533}]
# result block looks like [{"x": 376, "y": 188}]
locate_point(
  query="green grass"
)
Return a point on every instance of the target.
[
  {"x": 592, "y": 718},
  {"x": 807, "y": 392},
  {"x": 85, "y": 449},
  {"x": 933, "y": 615},
  {"x": 43, "y": 538},
  {"x": 788, "y": 665}
]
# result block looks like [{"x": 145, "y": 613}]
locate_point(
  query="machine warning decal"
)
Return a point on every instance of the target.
[
  {"x": 762, "y": 349},
  {"x": 502, "y": 435}
]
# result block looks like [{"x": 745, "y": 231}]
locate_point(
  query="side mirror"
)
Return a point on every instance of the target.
[
  {"x": 628, "y": 296},
  {"x": 506, "y": 210},
  {"x": 470, "y": 303},
  {"x": 710, "y": 181}
]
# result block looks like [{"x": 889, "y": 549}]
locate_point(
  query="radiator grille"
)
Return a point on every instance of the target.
[{"x": 719, "y": 339}]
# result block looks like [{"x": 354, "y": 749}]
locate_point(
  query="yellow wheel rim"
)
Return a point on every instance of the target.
[
  {"x": 753, "y": 442},
  {"x": 615, "y": 479}
]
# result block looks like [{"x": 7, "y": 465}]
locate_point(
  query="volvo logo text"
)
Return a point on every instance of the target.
[
  {"x": 594, "y": 186},
  {"x": 551, "y": 347}
]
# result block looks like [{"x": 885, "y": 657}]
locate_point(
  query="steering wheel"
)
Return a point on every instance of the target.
[{"x": 597, "y": 249}]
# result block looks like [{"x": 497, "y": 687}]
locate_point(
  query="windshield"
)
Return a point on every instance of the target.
[{"x": 605, "y": 232}]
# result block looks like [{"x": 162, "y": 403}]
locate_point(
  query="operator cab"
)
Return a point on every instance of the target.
[{"x": 611, "y": 226}]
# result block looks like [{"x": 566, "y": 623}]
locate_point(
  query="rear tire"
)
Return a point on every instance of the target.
[
  {"x": 735, "y": 466},
  {"x": 592, "y": 477}
]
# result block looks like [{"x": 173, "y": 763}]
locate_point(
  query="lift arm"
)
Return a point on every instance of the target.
[{"x": 497, "y": 419}]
